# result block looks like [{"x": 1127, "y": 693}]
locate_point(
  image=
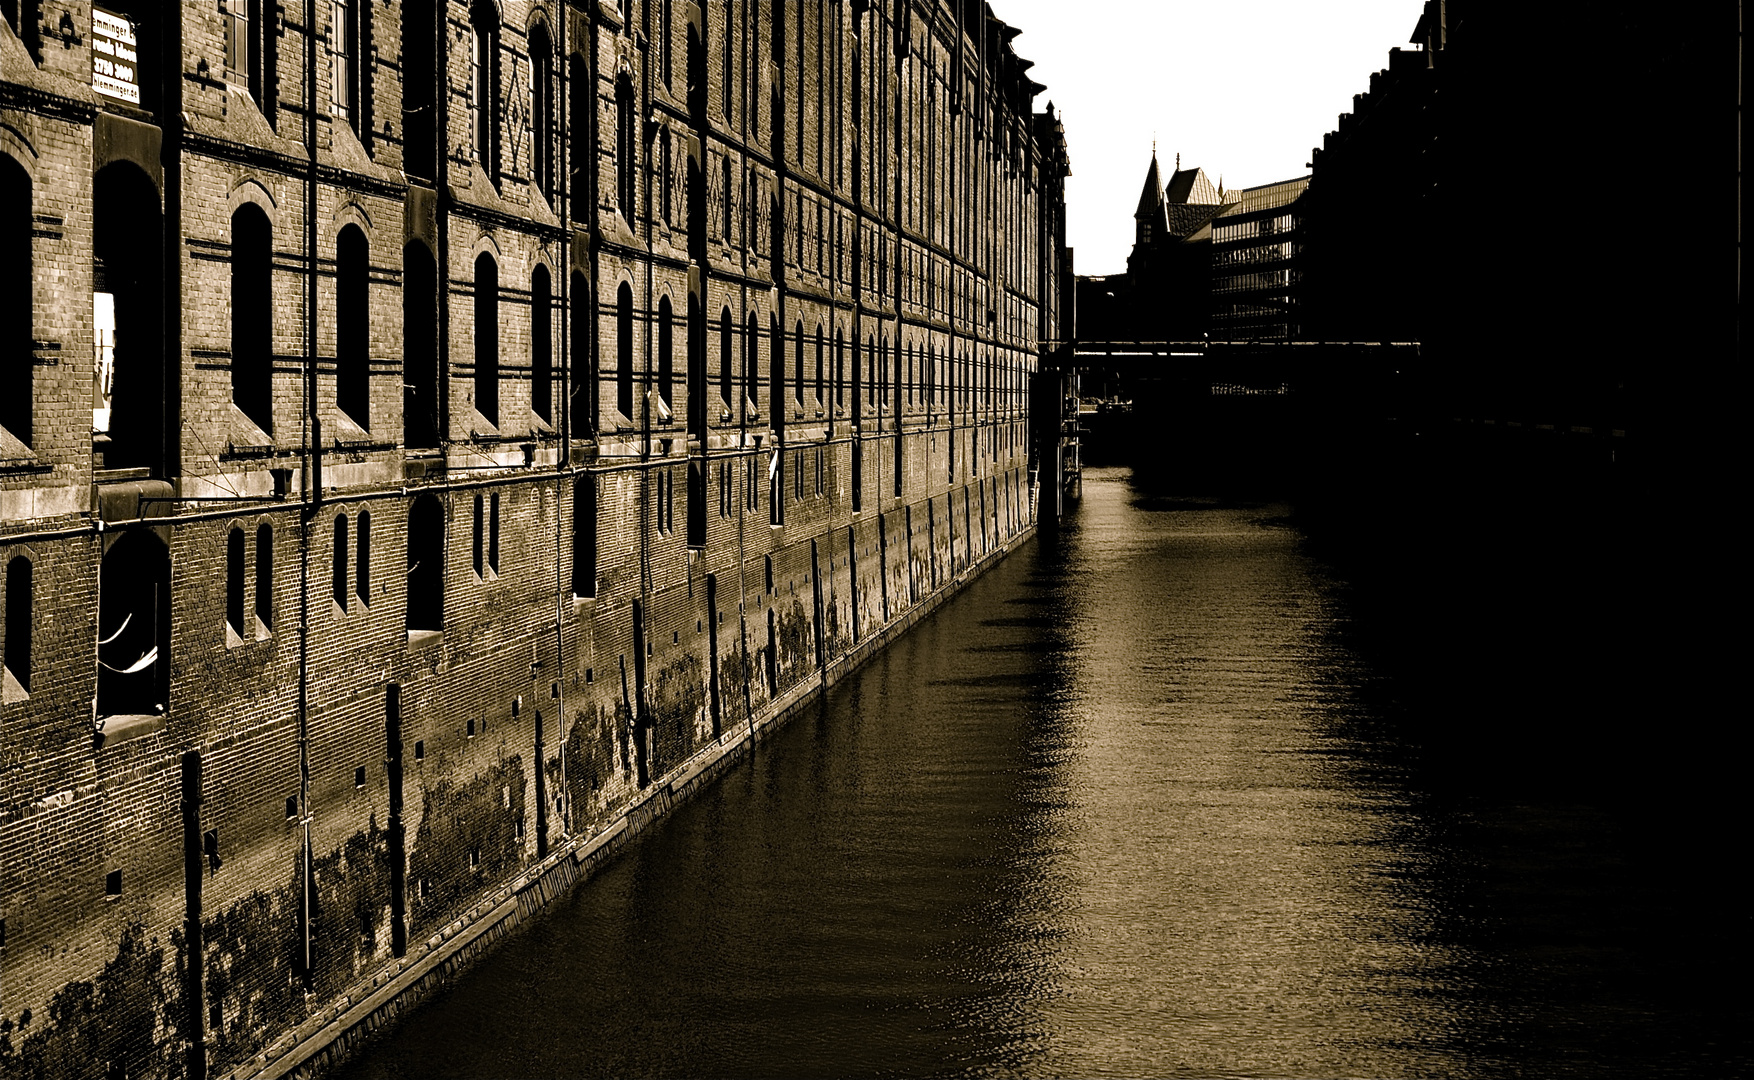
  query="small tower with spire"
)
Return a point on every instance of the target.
[{"x": 1150, "y": 220}]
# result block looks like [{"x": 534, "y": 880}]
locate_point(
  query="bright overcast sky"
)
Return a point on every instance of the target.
[{"x": 1241, "y": 88}]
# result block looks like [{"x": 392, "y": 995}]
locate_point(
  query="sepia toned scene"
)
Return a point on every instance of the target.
[{"x": 698, "y": 538}]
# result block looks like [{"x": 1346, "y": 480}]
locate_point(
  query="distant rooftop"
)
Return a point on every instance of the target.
[{"x": 1264, "y": 197}]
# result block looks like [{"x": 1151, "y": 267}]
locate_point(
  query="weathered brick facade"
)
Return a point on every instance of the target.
[{"x": 384, "y": 585}]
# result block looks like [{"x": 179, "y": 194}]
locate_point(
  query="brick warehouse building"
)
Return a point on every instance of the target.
[{"x": 497, "y": 411}]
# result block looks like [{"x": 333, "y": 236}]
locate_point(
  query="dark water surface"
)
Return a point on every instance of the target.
[{"x": 1142, "y": 801}]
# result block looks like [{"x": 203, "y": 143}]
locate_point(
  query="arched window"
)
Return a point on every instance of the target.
[
  {"x": 484, "y": 86},
  {"x": 17, "y": 284},
  {"x": 541, "y": 345},
  {"x": 666, "y": 359},
  {"x": 751, "y": 369},
  {"x": 821, "y": 372},
  {"x": 19, "y": 587},
  {"x": 480, "y": 536},
  {"x": 726, "y": 333},
  {"x": 666, "y": 187},
  {"x": 725, "y": 191},
  {"x": 426, "y": 565},
  {"x": 362, "y": 562},
  {"x": 666, "y": 33},
  {"x": 487, "y": 337},
  {"x": 252, "y": 315},
  {"x": 542, "y": 110},
  {"x": 352, "y": 326},
  {"x": 624, "y": 351},
  {"x": 776, "y": 390},
  {"x": 236, "y": 558},
  {"x": 420, "y": 359},
  {"x": 339, "y": 554},
  {"x": 584, "y": 356},
  {"x": 626, "y": 142},
  {"x": 798, "y": 384},
  {"x": 861, "y": 350},
  {"x": 883, "y": 373},
  {"x": 840, "y": 371},
  {"x": 264, "y": 579},
  {"x": 727, "y": 84}
]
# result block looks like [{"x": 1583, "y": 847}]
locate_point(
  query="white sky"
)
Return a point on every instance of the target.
[{"x": 1241, "y": 88}]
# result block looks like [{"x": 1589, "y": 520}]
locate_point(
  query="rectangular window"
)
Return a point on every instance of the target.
[
  {"x": 493, "y": 534},
  {"x": 584, "y": 537},
  {"x": 343, "y": 50}
]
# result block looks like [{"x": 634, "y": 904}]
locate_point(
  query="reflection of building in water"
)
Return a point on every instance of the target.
[
  {"x": 437, "y": 365},
  {"x": 1255, "y": 271}
]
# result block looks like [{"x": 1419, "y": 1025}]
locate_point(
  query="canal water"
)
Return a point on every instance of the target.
[{"x": 1148, "y": 799}]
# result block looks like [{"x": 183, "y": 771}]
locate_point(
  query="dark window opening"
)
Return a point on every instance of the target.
[
  {"x": 420, "y": 352},
  {"x": 626, "y": 141},
  {"x": 338, "y": 563},
  {"x": 134, "y": 626},
  {"x": 291, "y": 807},
  {"x": 583, "y": 165},
  {"x": 362, "y": 562},
  {"x": 352, "y": 326},
  {"x": 493, "y": 533},
  {"x": 584, "y": 357},
  {"x": 584, "y": 537},
  {"x": 252, "y": 315},
  {"x": 420, "y": 80},
  {"x": 624, "y": 352},
  {"x": 426, "y": 565},
  {"x": 666, "y": 361},
  {"x": 132, "y": 379},
  {"x": 420, "y": 750},
  {"x": 751, "y": 370},
  {"x": 542, "y": 110},
  {"x": 798, "y": 393},
  {"x": 264, "y": 579},
  {"x": 359, "y": 777},
  {"x": 26, "y": 19},
  {"x": 17, "y": 283},
  {"x": 479, "y": 536},
  {"x": 235, "y": 559},
  {"x": 487, "y": 338},
  {"x": 541, "y": 345},
  {"x": 726, "y": 333},
  {"x": 113, "y": 883},
  {"x": 19, "y": 588},
  {"x": 484, "y": 87}
]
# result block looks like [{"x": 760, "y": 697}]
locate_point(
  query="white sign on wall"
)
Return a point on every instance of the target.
[{"x": 115, "y": 72}]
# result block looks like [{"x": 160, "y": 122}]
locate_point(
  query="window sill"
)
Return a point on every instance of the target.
[{"x": 125, "y": 727}]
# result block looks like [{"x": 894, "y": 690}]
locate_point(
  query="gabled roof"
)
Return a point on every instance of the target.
[
  {"x": 1151, "y": 199},
  {"x": 1192, "y": 187}
]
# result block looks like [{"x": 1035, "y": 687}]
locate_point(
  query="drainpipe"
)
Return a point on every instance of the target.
[{"x": 312, "y": 482}]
